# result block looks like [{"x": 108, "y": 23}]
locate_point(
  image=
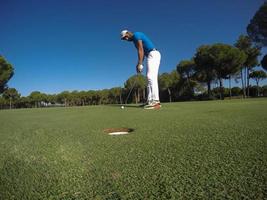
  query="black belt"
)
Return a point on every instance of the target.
[{"x": 154, "y": 49}]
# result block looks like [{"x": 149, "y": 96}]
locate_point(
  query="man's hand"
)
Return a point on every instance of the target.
[{"x": 139, "y": 68}]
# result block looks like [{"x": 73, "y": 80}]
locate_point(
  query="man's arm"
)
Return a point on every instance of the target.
[{"x": 140, "y": 51}]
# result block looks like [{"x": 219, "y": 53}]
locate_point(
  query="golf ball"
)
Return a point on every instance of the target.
[{"x": 122, "y": 107}]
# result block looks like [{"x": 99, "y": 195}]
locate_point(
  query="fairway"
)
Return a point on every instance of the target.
[{"x": 187, "y": 150}]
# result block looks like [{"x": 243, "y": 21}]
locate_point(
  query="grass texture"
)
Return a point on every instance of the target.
[{"x": 189, "y": 150}]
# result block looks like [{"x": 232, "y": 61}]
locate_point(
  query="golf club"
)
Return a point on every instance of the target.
[{"x": 131, "y": 90}]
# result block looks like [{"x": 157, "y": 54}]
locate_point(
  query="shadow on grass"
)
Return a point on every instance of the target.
[{"x": 140, "y": 106}]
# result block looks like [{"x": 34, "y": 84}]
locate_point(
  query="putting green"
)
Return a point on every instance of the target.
[{"x": 190, "y": 150}]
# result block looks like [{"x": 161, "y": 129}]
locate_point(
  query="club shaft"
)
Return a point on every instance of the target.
[{"x": 130, "y": 91}]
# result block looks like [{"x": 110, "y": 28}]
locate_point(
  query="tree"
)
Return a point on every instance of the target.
[
  {"x": 258, "y": 75},
  {"x": 83, "y": 97},
  {"x": 257, "y": 28},
  {"x": 205, "y": 71},
  {"x": 35, "y": 98},
  {"x": 226, "y": 60},
  {"x": 51, "y": 98},
  {"x": 6, "y": 73},
  {"x": 141, "y": 85},
  {"x": 186, "y": 70},
  {"x": 64, "y": 98},
  {"x": 96, "y": 97},
  {"x": 115, "y": 95},
  {"x": 91, "y": 97},
  {"x": 234, "y": 76},
  {"x": 103, "y": 94},
  {"x": 2, "y": 102},
  {"x": 236, "y": 91},
  {"x": 24, "y": 102},
  {"x": 264, "y": 90},
  {"x": 75, "y": 98},
  {"x": 264, "y": 62},
  {"x": 138, "y": 83},
  {"x": 167, "y": 81},
  {"x": 11, "y": 94},
  {"x": 244, "y": 43}
]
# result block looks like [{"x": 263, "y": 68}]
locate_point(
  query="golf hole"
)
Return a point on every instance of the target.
[{"x": 118, "y": 131}]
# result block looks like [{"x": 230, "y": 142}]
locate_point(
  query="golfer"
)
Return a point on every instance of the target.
[{"x": 145, "y": 48}]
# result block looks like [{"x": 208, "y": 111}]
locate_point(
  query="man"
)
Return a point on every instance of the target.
[{"x": 145, "y": 48}]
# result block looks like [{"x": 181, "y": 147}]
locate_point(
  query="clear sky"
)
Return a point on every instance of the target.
[{"x": 57, "y": 45}]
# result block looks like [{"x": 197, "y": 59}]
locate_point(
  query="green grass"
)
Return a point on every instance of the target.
[{"x": 191, "y": 150}]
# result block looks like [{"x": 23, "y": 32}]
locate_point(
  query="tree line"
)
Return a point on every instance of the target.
[
  {"x": 173, "y": 87},
  {"x": 201, "y": 77}
]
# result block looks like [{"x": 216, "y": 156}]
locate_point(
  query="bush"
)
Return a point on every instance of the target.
[
  {"x": 253, "y": 92},
  {"x": 236, "y": 91},
  {"x": 216, "y": 92},
  {"x": 264, "y": 90},
  {"x": 205, "y": 97}
]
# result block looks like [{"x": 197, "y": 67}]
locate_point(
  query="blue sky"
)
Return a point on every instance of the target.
[{"x": 58, "y": 45}]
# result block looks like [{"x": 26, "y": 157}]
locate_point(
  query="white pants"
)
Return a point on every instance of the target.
[{"x": 153, "y": 62}]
